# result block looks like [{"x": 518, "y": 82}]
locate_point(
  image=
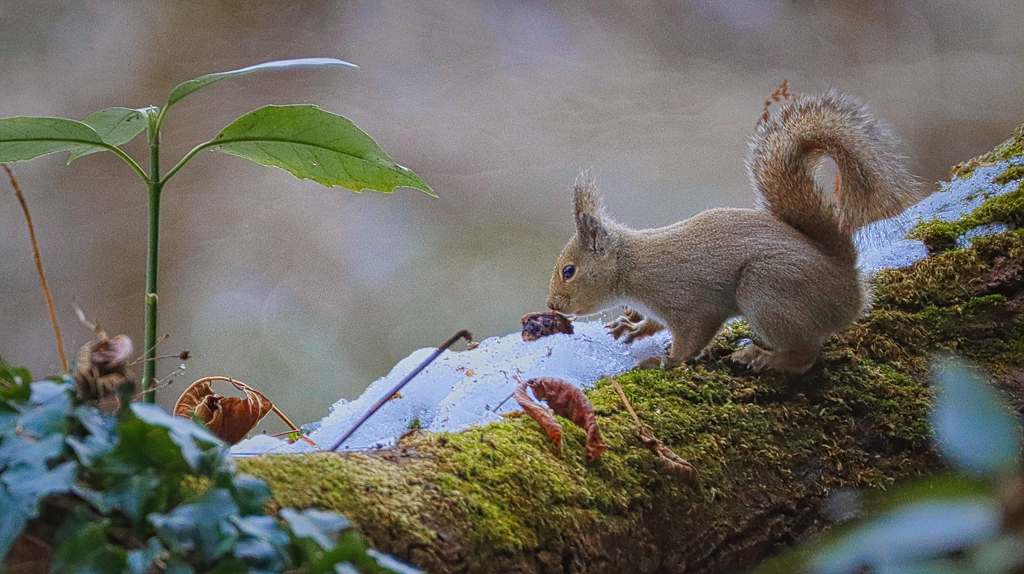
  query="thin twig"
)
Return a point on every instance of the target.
[
  {"x": 152, "y": 389},
  {"x": 497, "y": 408},
  {"x": 463, "y": 334},
  {"x": 39, "y": 268},
  {"x": 622, "y": 394}
]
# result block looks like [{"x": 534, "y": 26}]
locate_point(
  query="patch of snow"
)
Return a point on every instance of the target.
[
  {"x": 460, "y": 389},
  {"x": 883, "y": 244},
  {"x": 968, "y": 238},
  {"x": 464, "y": 388}
]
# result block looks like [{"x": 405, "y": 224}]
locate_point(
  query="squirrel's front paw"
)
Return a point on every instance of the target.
[{"x": 634, "y": 326}]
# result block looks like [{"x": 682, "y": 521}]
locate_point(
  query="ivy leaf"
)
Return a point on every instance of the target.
[
  {"x": 17, "y": 376},
  {"x": 182, "y": 432},
  {"x": 14, "y": 519},
  {"x": 313, "y": 144},
  {"x": 140, "y": 561},
  {"x": 24, "y": 451},
  {"x": 101, "y": 439},
  {"x": 391, "y": 563},
  {"x": 23, "y": 138},
  {"x": 200, "y": 529},
  {"x": 21, "y": 489},
  {"x": 322, "y": 527},
  {"x": 249, "y": 493},
  {"x": 87, "y": 550},
  {"x": 264, "y": 546},
  {"x": 913, "y": 533},
  {"x": 184, "y": 89},
  {"x": 136, "y": 496},
  {"x": 117, "y": 126},
  {"x": 49, "y": 404},
  {"x": 972, "y": 427}
]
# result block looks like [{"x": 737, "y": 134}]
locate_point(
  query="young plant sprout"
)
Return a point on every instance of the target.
[{"x": 304, "y": 140}]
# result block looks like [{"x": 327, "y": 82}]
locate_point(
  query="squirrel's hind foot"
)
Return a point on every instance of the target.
[
  {"x": 664, "y": 363},
  {"x": 758, "y": 359}
]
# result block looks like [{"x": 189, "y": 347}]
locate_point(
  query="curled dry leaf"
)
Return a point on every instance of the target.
[
  {"x": 537, "y": 325},
  {"x": 102, "y": 367},
  {"x": 543, "y": 416},
  {"x": 671, "y": 462},
  {"x": 569, "y": 401},
  {"x": 230, "y": 418}
]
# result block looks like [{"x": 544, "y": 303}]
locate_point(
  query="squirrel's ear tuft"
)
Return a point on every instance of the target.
[
  {"x": 585, "y": 198},
  {"x": 590, "y": 228}
]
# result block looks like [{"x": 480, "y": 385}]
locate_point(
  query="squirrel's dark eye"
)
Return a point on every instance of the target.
[{"x": 568, "y": 271}]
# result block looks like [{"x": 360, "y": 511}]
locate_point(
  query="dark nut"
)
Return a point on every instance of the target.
[{"x": 537, "y": 325}]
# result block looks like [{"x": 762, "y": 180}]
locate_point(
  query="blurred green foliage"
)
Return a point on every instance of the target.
[
  {"x": 126, "y": 492},
  {"x": 967, "y": 521}
]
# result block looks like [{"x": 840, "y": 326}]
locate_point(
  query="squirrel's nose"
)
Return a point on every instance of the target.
[{"x": 553, "y": 303}]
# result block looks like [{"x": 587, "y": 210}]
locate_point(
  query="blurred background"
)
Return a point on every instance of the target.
[{"x": 308, "y": 293}]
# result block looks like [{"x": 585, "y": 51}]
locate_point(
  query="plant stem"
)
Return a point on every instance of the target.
[
  {"x": 155, "y": 187},
  {"x": 192, "y": 153}
]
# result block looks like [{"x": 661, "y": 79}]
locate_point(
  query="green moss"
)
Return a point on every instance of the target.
[
  {"x": 857, "y": 419},
  {"x": 1009, "y": 149},
  {"x": 1012, "y": 173},
  {"x": 1007, "y": 208},
  {"x": 383, "y": 497},
  {"x": 939, "y": 280}
]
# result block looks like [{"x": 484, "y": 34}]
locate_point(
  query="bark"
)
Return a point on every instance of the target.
[{"x": 770, "y": 448}]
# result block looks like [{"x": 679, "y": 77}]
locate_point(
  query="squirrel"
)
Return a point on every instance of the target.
[{"x": 789, "y": 266}]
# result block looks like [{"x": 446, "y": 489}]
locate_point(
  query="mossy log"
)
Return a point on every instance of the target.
[{"x": 770, "y": 448}]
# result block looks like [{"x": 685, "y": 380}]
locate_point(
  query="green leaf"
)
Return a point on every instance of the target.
[
  {"x": 16, "y": 376},
  {"x": 916, "y": 532},
  {"x": 249, "y": 493},
  {"x": 184, "y": 89},
  {"x": 24, "y": 138},
  {"x": 322, "y": 527},
  {"x": 140, "y": 561},
  {"x": 136, "y": 496},
  {"x": 391, "y": 563},
  {"x": 183, "y": 432},
  {"x": 313, "y": 144},
  {"x": 879, "y": 509},
  {"x": 49, "y": 404},
  {"x": 14, "y": 518},
  {"x": 264, "y": 546},
  {"x": 201, "y": 529},
  {"x": 87, "y": 550},
  {"x": 972, "y": 426},
  {"x": 117, "y": 126},
  {"x": 101, "y": 438}
]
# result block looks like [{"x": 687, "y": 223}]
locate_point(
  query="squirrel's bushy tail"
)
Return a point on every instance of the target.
[{"x": 874, "y": 184}]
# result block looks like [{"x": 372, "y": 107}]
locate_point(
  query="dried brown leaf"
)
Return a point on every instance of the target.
[
  {"x": 671, "y": 463},
  {"x": 102, "y": 367},
  {"x": 537, "y": 325},
  {"x": 568, "y": 401},
  {"x": 543, "y": 416},
  {"x": 229, "y": 418}
]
